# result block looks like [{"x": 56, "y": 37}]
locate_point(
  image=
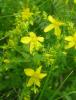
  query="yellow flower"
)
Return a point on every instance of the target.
[
  {"x": 33, "y": 41},
  {"x": 35, "y": 76},
  {"x": 26, "y": 14},
  {"x": 54, "y": 25},
  {"x": 71, "y": 40}
]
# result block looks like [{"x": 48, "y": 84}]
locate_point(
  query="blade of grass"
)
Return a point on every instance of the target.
[
  {"x": 72, "y": 92},
  {"x": 52, "y": 98}
]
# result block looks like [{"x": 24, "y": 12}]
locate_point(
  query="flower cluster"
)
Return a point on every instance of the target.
[
  {"x": 35, "y": 43},
  {"x": 71, "y": 41},
  {"x": 26, "y": 14},
  {"x": 36, "y": 76},
  {"x": 55, "y": 24}
]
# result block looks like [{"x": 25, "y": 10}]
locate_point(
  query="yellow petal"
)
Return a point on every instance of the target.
[
  {"x": 49, "y": 28},
  {"x": 25, "y": 40},
  {"x": 54, "y": 21},
  {"x": 29, "y": 71},
  {"x": 32, "y": 34},
  {"x": 51, "y": 19},
  {"x": 39, "y": 69},
  {"x": 41, "y": 39},
  {"x": 37, "y": 82},
  {"x": 30, "y": 82},
  {"x": 32, "y": 45},
  {"x": 42, "y": 75},
  {"x": 57, "y": 31},
  {"x": 69, "y": 38},
  {"x": 70, "y": 45}
]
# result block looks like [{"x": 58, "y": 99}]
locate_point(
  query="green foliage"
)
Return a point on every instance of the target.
[{"x": 57, "y": 62}]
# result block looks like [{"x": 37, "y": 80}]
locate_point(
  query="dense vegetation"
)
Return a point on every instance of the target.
[{"x": 37, "y": 49}]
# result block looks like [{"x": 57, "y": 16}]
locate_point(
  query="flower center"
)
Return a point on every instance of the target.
[
  {"x": 34, "y": 39},
  {"x": 36, "y": 75}
]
